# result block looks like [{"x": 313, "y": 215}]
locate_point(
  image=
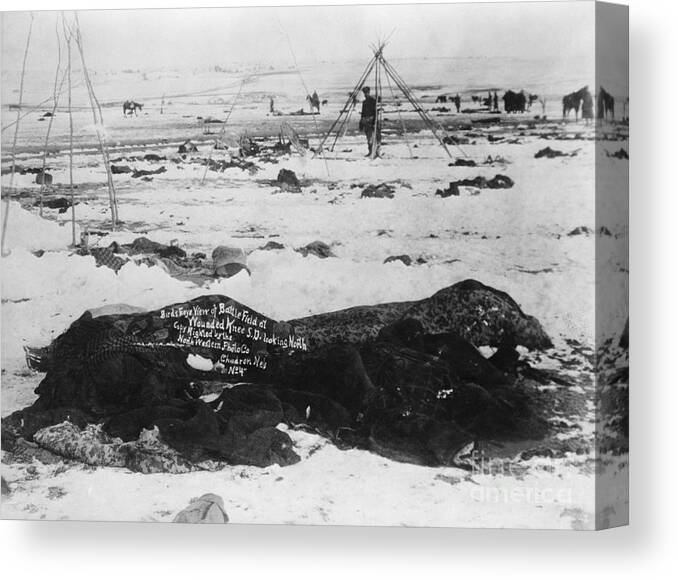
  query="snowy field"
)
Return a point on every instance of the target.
[{"x": 516, "y": 240}]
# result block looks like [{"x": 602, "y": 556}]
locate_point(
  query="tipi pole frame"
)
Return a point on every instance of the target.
[
  {"x": 71, "y": 32},
  {"x": 379, "y": 62},
  {"x": 8, "y": 197},
  {"x": 349, "y": 105}
]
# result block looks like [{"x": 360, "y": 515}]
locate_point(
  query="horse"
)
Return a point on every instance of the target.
[
  {"x": 314, "y": 101},
  {"x": 129, "y": 107},
  {"x": 605, "y": 105},
  {"x": 574, "y": 101}
]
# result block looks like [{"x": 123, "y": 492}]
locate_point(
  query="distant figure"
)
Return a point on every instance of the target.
[
  {"x": 457, "y": 102},
  {"x": 129, "y": 107},
  {"x": 314, "y": 101},
  {"x": 587, "y": 107},
  {"x": 441, "y": 99},
  {"x": 271, "y": 105},
  {"x": 495, "y": 102},
  {"x": 368, "y": 121},
  {"x": 542, "y": 102}
]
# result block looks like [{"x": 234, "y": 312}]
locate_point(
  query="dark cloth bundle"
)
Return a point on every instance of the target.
[{"x": 390, "y": 381}]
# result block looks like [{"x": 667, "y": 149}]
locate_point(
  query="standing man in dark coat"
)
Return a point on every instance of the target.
[
  {"x": 457, "y": 102},
  {"x": 368, "y": 120}
]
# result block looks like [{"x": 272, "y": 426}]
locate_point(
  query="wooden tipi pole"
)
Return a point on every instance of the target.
[
  {"x": 69, "y": 38},
  {"x": 5, "y": 218},
  {"x": 400, "y": 83},
  {"x": 57, "y": 90},
  {"x": 98, "y": 117}
]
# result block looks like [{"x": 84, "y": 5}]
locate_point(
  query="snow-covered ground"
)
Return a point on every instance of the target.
[{"x": 514, "y": 239}]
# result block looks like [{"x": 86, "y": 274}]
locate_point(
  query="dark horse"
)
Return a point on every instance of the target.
[
  {"x": 129, "y": 107},
  {"x": 314, "y": 102},
  {"x": 605, "y": 105},
  {"x": 576, "y": 100}
]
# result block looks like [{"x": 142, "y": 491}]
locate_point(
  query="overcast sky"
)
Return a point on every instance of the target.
[{"x": 146, "y": 39}]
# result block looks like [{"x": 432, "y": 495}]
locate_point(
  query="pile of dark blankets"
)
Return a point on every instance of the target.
[{"x": 405, "y": 380}]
